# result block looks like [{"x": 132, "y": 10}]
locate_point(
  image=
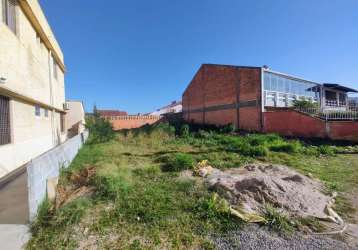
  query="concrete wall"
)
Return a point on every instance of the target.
[
  {"x": 221, "y": 95},
  {"x": 129, "y": 122},
  {"x": 292, "y": 123},
  {"x": 47, "y": 166},
  {"x": 26, "y": 63}
]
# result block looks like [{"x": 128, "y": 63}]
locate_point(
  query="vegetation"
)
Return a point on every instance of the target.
[
  {"x": 304, "y": 104},
  {"x": 100, "y": 129},
  {"x": 143, "y": 201}
]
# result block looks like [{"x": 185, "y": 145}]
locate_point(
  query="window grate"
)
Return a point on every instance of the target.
[{"x": 5, "y": 134}]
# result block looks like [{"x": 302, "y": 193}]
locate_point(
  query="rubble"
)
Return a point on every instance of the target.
[{"x": 249, "y": 189}]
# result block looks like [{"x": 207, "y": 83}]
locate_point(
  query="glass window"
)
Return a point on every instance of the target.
[
  {"x": 5, "y": 129},
  {"x": 37, "y": 110},
  {"x": 46, "y": 112},
  {"x": 9, "y": 13}
]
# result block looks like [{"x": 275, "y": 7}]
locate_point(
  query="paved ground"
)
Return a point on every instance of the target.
[
  {"x": 14, "y": 202},
  {"x": 13, "y": 237},
  {"x": 14, "y": 213},
  {"x": 254, "y": 237}
]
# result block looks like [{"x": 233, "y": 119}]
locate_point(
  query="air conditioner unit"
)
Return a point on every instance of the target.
[{"x": 66, "y": 106}]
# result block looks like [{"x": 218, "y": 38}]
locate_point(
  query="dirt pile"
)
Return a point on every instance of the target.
[{"x": 250, "y": 188}]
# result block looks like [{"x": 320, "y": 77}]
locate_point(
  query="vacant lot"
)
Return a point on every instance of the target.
[{"x": 142, "y": 199}]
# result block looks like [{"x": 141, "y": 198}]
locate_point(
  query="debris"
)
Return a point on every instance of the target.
[
  {"x": 83, "y": 177},
  {"x": 81, "y": 187},
  {"x": 251, "y": 187}
]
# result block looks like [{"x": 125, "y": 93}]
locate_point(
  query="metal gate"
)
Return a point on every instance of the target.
[{"x": 5, "y": 133}]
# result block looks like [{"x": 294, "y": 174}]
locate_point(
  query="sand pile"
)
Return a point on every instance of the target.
[{"x": 251, "y": 187}]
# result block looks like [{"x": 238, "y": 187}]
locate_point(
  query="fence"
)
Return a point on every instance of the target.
[
  {"x": 346, "y": 114},
  {"x": 47, "y": 166}
]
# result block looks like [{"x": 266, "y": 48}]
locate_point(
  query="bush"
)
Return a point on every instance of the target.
[
  {"x": 303, "y": 104},
  {"x": 287, "y": 147},
  {"x": 100, "y": 130},
  {"x": 185, "y": 131},
  {"x": 178, "y": 162},
  {"x": 230, "y": 128},
  {"x": 326, "y": 150}
]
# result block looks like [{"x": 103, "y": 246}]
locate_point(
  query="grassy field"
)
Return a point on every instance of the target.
[{"x": 143, "y": 201}]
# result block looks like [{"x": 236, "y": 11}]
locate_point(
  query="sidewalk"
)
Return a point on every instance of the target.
[
  {"x": 13, "y": 237},
  {"x": 14, "y": 231}
]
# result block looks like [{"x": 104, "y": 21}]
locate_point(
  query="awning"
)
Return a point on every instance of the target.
[{"x": 339, "y": 87}]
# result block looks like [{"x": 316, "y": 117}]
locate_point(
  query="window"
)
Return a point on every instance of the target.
[
  {"x": 9, "y": 13},
  {"x": 46, "y": 112},
  {"x": 37, "y": 110},
  {"x": 5, "y": 136},
  {"x": 55, "y": 73},
  {"x": 62, "y": 123}
]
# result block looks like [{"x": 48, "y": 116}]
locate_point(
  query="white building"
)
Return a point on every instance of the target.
[
  {"x": 174, "y": 107},
  {"x": 75, "y": 118},
  {"x": 32, "y": 89}
]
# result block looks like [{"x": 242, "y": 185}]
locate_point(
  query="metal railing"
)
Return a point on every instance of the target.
[
  {"x": 349, "y": 114},
  {"x": 334, "y": 103}
]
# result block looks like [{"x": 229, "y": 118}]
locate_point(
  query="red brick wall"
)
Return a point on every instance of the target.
[
  {"x": 219, "y": 86},
  {"x": 343, "y": 130},
  {"x": 250, "y": 90},
  {"x": 293, "y": 123},
  {"x": 128, "y": 122}
]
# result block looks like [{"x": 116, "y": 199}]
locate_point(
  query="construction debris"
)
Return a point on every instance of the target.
[{"x": 251, "y": 188}]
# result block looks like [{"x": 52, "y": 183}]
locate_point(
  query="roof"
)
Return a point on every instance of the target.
[
  {"x": 173, "y": 104},
  {"x": 339, "y": 87},
  {"x": 111, "y": 112}
]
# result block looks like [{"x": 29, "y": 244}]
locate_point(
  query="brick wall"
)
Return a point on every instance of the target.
[
  {"x": 216, "y": 92},
  {"x": 129, "y": 122},
  {"x": 293, "y": 123}
]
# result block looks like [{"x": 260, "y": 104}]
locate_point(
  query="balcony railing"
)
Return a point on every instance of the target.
[
  {"x": 348, "y": 114},
  {"x": 335, "y": 103}
]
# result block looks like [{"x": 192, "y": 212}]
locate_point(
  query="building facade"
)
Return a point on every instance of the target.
[
  {"x": 32, "y": 89},
  {"x": 75, "y": 118},
  {"x": 248, "y": 98},
  {"x": 174, "y": 107}
]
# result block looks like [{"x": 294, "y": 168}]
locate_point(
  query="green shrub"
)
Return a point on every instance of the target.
[
  {"x": 203, "y": 134},
  {"x": 230, "y": 128},
  {"x": 255, "y": 151},
  {"x": 326, "y": 150},
  {"x": 178, "y": 162},
  {"x": 304, "y": 104},
  {"x": 100, "y": 130},
  {"x": 185, "y": 131},
  {"x": 287, "y": 147}
]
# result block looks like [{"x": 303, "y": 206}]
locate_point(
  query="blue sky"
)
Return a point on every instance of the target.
[{"x": 138, "y": 55}]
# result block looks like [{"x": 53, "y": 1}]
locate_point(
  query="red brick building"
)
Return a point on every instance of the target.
[
  {"x": 222, "y": 95},
  {"x": 258, "y": 99}
]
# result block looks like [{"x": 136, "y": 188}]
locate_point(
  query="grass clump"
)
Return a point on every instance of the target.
[
  {"x": 178, "y": 162},
  {"x": 277, "y": 221}
]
